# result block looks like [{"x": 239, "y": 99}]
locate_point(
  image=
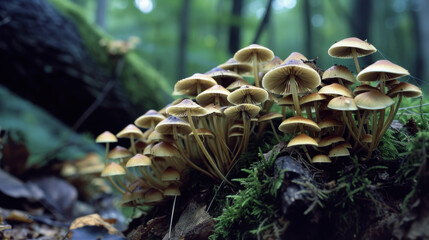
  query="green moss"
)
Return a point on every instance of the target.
[{"x": 140, "y": 80}]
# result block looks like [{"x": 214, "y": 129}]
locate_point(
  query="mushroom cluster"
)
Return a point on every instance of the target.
[{"x": 335, "y": 114}]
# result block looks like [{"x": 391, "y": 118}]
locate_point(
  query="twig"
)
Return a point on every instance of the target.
[{"x": 410, "y": 107}]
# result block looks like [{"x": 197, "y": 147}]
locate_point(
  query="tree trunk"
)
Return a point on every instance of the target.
[
  {"x": 308, "y": 29},
  {"x": 183, "y": 38},
  {"x": 43, "y": 59},
  {"x": 234, "y": 28},
  {"x": 361, "y": 23},
  {"x": 422, "y": 36},
  {"x": 265, "y": 21},
  {"x": 100, "y": 14}
]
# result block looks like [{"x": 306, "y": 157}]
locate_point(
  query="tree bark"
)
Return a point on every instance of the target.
[
  {"x": 308, "y": 29},
  {"x": 234, "y": 28},
  {"x": 361, "y": 21},
  {"x": 265, "y": 21},
  {"x": 43, "y": 59},
  {"x": 183, "y": 38},
  {"x": 421, "y": 18}
]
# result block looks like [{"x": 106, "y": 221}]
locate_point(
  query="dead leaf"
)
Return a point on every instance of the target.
[
  {"x": 94, "y": 220},
  {"x": 15, "y": 188},
  {"x": 18, "y": 216},
  {"x": 94, "y": 232}
]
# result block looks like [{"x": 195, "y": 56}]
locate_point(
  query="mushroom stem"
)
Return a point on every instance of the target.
[
  {"x": 171, "y": 219},
  {"x": 355, "y": 59},
  {"x": 392, "y": 114},
  {"x": 294, "y": 91},
  {"x": 116, "y": 185},
  {"x": 255, "y": 69},
  {"x": 106, "y": 152},
  {"x": 133, "y": 145},
  {"x": 274, "y": 131},
  {"x": 203, "y": 149},
  {"x": 373, "y": 132}
]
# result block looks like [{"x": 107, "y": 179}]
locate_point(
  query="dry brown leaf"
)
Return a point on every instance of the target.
[{"x": 94, "y": 220}]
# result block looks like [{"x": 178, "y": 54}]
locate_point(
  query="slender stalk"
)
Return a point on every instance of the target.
[
  {"x": 171, "y": 219},
  {"x": 295, "y": 99},
  {"x": 274, "y": 131},
  {"x": 255, "y": 69},
  {"x": 116, "y": 185},
  {"x": 133, "y": 145}
]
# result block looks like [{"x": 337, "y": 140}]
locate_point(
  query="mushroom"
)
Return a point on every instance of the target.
[
  {"x": 115, "y": 170},
  {"x": 248, "y": 94},
  {"x": 131, "y": 132},
  {"x": 254, "y": 54},
  {"x": 149, "y": 120},
  {"x": 351, "y": 48},
  {"x": 223, "y": 77},
  {"x": 235, "y": 66},
  {"x": 193, "y": 85},
  {"x": 106, "y": 137},
  {"x": 339, "y": 74},
  {"x": 269, "y": 117}
]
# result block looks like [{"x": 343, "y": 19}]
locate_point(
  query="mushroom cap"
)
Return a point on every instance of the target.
[
  {"x": 145, "y": 120},
  {"x": 363, "y": 88},
  {"x": 302, "y": 139},
  {"x": 321, "y": 158},
  {"x": 338, "y": 71},
  {"x": 285, "y": 101},
  {"x": 188, "y": 86},
  {"x": 375, "y": 71},
  {"x": 148, "y": 149},
  {"x": 329, "y": 122},
  {"x": 262, "y": 53},
  {"x": 170, "y": 174},
  {"x": 297, "y": 56},
  {"x": 118, "y": 152},
  {"x": 367, "y": 138},
  {"x": 406, "y": 89},
  {"x": 276, "y": 61},
  {"x": 329, "y": 140},
  {"x": 214, "y": 109},
  {"x": 156, "y": 137},
  {"x": 250, "y": 93},
  {"x": 342, "y": 103},
  {"x": 223, "y": 77},
  {"x": 106, "y": 137},
  {"x": 373, "y": 100},
  {"x": 181, "y": 109},
  {"x": 235, "y": 112},
  {"x": 269, "y": 116},
  {"x": 238, "y": 67},
  {"x": 138, "y": 160},
  {"x": 336, "y": 89},
  {"x": 209, "y": 95},
  {"x": 113, "y": 169},
  {"x": 290, "y": 124},
  {"x": 237, "y": 84},
  {"x": 277, "y": 80},
  {"x": 130, "y": 131},
  {"x": 235, "y": 134},
  {"x": 172, "y": 190},
  {"x": 153, "y": 195},
  {"x": 164, "y": 150},
  {"x": 203, "y": 132},
  {"x": 343, "y": 48},
  {"x": 339, "y": 151},
  {"x": 311, "y": 98},
  {"x": 166, "y": 126}
]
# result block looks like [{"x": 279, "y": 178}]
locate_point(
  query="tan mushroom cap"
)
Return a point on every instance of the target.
[
  {"x": 406, "y": 89},
  {"x": 329, "y": 122},
  {"x": 106, "y": 137},
  {"x": 339, "y": 151},
  {"x": 375, "y": 71},
  {"x": 290, "y": 124},
  {"x": 235, "y": 112},
  {"x": 148, "y": 150},
  {"x": 209, "y": 95},
  {"x": 164, "y": 150},
  {"x": 237, "y": 67},
  {"x": 149, "y": 119},
  {"x": 170, "y": 174},
  {"x": 277, "y": 80},
  {"x": 342, "y": 103},
  {"x": 336, "y": 89},
  {"x": 321, "y": 158},
  {"x": 343, "y": 48},
  {"x": 285, "y": 101},
  {"x": 181, "y": 109},
  {"x": 364, "y": 88},
  {"x": 189, "y": 86},
  {"x": 276, "y": 61},
  {"x": 297, "y": 56},
  {"x": 373, "y": 100},
  {"x": 246, "y": 54},
  {"x": 166, "y": 126},
  {"x": 223, "y": 77},
  {"x": 138, "y": 160},
  {"x": 248, "y": 94},
  {"x": 203, "y": 132},
  {"x": 153, "y": 195},
  {"x": 156, "y": 137},
  {"x": 172, "y": 190},
  {"x": 327, "y": 141},
  {"x": 367, "y": 138},
  {"x": 338, "y": 71},
  {"x": 235, "y": 134},
  {"x": 269, "y": 116},
  {"x": 302, "y": 139},
  {"x": 237, "y": 84},
  {"x": 311, "y": 98},
  {"x": 118, "y": 152},
  {"x": 113, "y": 169},
  {"x": 214, "y": 109},
  {"x": 130, "y": 131}
]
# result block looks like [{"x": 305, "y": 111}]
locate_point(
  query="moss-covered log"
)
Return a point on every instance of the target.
[{"x": 53, "y": 58}]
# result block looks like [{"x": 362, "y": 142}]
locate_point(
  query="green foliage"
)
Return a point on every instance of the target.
[
  {"x": 140, "y": 79},
  {"x": 252, "y": 210}
]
